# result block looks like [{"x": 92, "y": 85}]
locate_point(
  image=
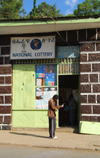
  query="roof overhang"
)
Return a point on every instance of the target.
[{"x": 51, "y": 25}]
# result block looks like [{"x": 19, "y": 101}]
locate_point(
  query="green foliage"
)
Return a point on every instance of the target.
[
  {"x": 46, "y": 10},
  {"x": 10, "y": 9},
  {"x": 70, "y": 15},
  {"x": 89, "y": 7}
]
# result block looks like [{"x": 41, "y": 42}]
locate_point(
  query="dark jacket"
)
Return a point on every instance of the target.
[{"x": 52, "y": 108}]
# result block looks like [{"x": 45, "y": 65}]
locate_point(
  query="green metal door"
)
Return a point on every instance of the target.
[
  {"x": 23, "y": 87},
  {"x": 23, "y": 95}
]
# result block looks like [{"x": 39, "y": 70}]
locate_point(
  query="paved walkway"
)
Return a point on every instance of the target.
[{"x": 65, "y": 140}]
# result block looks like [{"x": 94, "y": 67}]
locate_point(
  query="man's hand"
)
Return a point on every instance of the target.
[{"x": 62, "y": 105}]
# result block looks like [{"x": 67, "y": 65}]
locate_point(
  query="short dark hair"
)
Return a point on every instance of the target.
[{"x": 55, "y": 96}]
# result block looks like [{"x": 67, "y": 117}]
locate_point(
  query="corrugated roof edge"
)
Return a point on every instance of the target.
[{"x": 55, "y": 18}]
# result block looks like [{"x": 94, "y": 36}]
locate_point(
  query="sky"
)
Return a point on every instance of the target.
[{"x": 66, "y": 6}]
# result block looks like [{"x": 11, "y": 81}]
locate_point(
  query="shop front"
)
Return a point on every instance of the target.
[{"x": 38, "y": 74}]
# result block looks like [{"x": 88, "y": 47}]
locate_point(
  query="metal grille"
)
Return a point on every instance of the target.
[
  {"x": 38, "y": 61},
  {"x": 65, "y": 65},
  {"x": 68, "y": 66}
]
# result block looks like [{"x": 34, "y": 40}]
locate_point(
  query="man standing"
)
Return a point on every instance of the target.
[{"x": 52, "y": 107}]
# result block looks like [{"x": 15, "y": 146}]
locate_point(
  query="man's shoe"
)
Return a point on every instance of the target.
[{"x": 55, "y": 137}]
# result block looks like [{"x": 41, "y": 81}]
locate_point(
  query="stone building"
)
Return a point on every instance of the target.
[{"x": 82, "y": 33}]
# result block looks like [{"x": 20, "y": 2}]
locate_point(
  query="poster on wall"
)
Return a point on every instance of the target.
[
  {"x": 67, "y": 51},
  {"x": 46, "y": 75},
  {"x": 50, "y": 79},
  {"x": 32, "y": 47},
  {"x": 40, "y": 71},
  {"x": 43, "y": 95}
]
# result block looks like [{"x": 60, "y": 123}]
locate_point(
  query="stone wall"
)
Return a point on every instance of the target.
[
  {"x": 90, "y": 78},
  {"x": 5, "y": 87}
]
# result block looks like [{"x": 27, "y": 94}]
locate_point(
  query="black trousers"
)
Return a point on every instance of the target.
[{"x": 52, "y": 126}]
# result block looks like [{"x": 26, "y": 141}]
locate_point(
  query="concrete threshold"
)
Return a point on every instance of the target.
[{"x": 60, "y": 129}]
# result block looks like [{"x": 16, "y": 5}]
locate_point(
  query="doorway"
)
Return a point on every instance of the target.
[{"x": 68, "y": 85}]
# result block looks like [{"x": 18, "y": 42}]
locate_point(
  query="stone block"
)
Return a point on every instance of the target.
[
  {"x": 5, "y": 109},
  {"x": 83, "y": 57},
  {"x": 96, "y": 109},
  {"x": 85, "y": 67},
  {"x": 85, "y": 109},
  {"x": 83, "y": 98},
  {"x": 1, "y": 99},
  {"x": 8, "y": 80},
  {"x": 87, "y": 47},
  {"x": 6, "y": 70},
  {"x": 98, "y": 98},
  {"x": 8, "y": 99},
  {"x": 97, "y": 46},
  {"x": 1, "y": 119},
  {"x": 96, "y": 88},
  {"x": 96, "y": 67},
  {"x": 5, "y": 89},
  {"x": 85, "y": 88},
  {"x": 94, "y": 57},
  {"x": 7, "y": 119},
  {"x": 1, "y": 80},
  {"x": 91, "y": 99},
  {"x": 84, "y": 78},
  {"x": 94, "y": 78}
]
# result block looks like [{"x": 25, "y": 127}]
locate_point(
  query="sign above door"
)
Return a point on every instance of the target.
[{"x": 32, "y": 47}]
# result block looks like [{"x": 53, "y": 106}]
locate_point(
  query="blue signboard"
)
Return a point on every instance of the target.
[{"x": 68, "y": 51}]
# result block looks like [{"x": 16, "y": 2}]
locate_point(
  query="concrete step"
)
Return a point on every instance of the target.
[{"x": 60, "y": 129}]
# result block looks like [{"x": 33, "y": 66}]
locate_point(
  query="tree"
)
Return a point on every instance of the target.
[
  {"x": 46, "y": 10},
  {"x": 10, "y": 9},
  {"x": 89, "y": 7}
]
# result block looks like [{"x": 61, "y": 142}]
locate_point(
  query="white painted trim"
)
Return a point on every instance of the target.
[
  {"x": 90, "y": 104},
  {"x": 87, "y": 57},
  {"x": 92, "y": 109},
  {"x": 5, "y": 75},
  {"x": 7, "y": 65},
  {"x": 5, "y": 124},
  {"x": 5, "y": 114},
  {"x": 89, "y": 83},
  {"x": 90, "y": 62},
  {"x": 5, "y": 84},
  {"x": 9, "y": 94},
  {"x": 83, "y": 52},
  {"x": 96, "y": 98},
  {"x": 95, "y": 47},
  {"x": 85, "y": 73},
  {"x": 5, "y": 55},
  {"x": 5, "y": 104},
  {"x": 96, "y": 34},
  {"x": 91, "y": 88},
  {"x": 89, "y": 93},
  {"x": 90, "y": 114}
]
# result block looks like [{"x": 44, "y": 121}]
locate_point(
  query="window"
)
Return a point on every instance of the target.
[{"x": 46, "y": 84}]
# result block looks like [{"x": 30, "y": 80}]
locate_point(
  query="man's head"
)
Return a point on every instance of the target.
[{"x": 55, "y": 97}]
